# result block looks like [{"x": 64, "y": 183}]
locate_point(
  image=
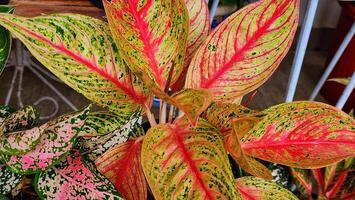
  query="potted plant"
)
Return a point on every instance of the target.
[{"x": 152, "y": 48}]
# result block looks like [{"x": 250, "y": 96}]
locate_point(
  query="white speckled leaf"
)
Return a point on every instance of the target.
[
  {"x": 24, "y": 118},
  {"x": 55, "y": 142},
  {"x": 20, "y": 142},
  {"x": 73, "y": 179},
  {"x": 4, "y": 112},
  {"x": 8, "y": 180},
  {"x": 100, "y": 144}
]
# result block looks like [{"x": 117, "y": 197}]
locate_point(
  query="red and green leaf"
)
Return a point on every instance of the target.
[
  {"x": 21, "y": 119},
  {"x": 247, "y": 163},
  {"x": 184, "y": 163},
  {"x": 198, "y": 32},
  {"x": 74, "y": 179},
  {"x": 302, "y": 178},
  {"x": 152, "y": 36},
  {"x": 55, "y": 142},
  {"x": 80, "y": 51},
  {"x": 245, "y": 49},
  {"x": 20, "y": 142},
  {"x": 253, "y": 188},
  {"x": 8, "y": 180},
  {"x": 302, "y": 134},
  {"x": 5, "y": 39},
  {"x": 122, "y": 166},
  {"x": 192, "y": 102}
]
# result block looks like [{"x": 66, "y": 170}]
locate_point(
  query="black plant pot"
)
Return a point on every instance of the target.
[{"x": 98, "y": 3}]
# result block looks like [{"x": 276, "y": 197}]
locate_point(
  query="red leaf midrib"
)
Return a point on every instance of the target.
[
  {"x": 131, "y": 93},
  {"x": 285, "y": 144}
]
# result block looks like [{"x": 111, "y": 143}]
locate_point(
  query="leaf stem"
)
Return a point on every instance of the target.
[
  {"x": 162, "y": 119},
  {"x": 171, "y": 113},
  {"x": 150, "y": 117}
]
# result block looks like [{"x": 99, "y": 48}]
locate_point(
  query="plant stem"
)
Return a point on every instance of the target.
[
  {"x": 162, "y": 119},
  {"x": 171, "y": 113},
  {"x": 150, "y": 117}
]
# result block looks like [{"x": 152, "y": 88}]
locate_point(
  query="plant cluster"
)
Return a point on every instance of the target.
[{"x": 164, "y": 49}]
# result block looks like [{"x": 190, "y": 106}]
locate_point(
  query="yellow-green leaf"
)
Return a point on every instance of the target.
[
  {"x": 184, "y": 163},
  {"x": 343, "y": 81},
  {"x": 80, "y": 51}
]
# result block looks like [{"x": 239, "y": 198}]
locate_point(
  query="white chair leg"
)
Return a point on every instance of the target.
[
  {"x": 346, "y": 93},
  {"x": 213, "y": 9},
  {"x": 301, "y": 49},
  {"x": 333, "y": 62}
]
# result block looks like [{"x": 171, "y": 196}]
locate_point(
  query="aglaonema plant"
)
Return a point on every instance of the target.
[{"x": 164, "y": 49}]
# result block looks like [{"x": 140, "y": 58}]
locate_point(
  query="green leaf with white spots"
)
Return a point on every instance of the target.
[
  {"x": 80, "y": 51},
  {"x": 98, "y": 145},
  {"x": 22, "y": 119},
  {"x": 5, "y": 40},
  {"x": 5, "y": 111},
  {"x": 20, "y": 142},
  {"x": 74, "y": 179},
  {"x": 253, "y": 188},
  {"x": 8, "y": 180},
  {"x": 55, "y": 142}
]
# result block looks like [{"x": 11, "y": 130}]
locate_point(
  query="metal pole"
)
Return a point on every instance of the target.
[
  {"x": 301, "y": 49},
  {"x": 346, "y": 93},
  {"x": 213, "y": 9},
  {"x": 333, "y": 62}
]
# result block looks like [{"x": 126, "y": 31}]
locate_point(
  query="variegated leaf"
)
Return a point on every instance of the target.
[
  {"x": 221, "y": 114},
  {"x": 54, "y": 144},
  {"x": 247, "y": 163},
  {"x": 152, "y": 36},
  {"x": 103, "y": 122},
  {"x": 96, "y": 146},
  {"x": 192, "y": 102},
  {"x": 8, "y": 180},
  {"x": 5, "y": 111},
  {"x": 245, "y": 49},
  {"x": 122, "y": 166},
  {"x": 74, "y": 179},
  {"x": 184, "y": 163},
  {"x": 303, "y": 181},
  {"x": 253, "y": 188},
  {"x": 302, "y": 134},
  {"x": 198, "y": 32},
  {"x": 332, "y": 172},
  {"x": 21, "y": 119},
  {"x": 80, "y": 51},
  {"x": 5, "y": 39},
  {"x": 20, "y": 142}
]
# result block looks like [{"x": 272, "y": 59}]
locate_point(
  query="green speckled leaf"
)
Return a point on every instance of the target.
[
  {"x": 74, "y": 179},
  {"x": 20, "y": 142},
  {"x": 100, "y": 144},
  {"x": 55, "y": 142},
  {"x": 8, "y": 180},
  {"x": 253, "y": 188},
  {"x": 24, "y": 118},
  {"x": 303, "y": 181},
  {"x": 80, "y": 51},
  {"x": 5, "y": 111},
  {"x": 5, "y": 40},
  {"x": 184, "y": 163}
]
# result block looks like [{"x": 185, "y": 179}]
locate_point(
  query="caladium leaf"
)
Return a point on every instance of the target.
[
  {"x": 86, "y": 60},
  {"x": 96, "y": 146},
  {"x": 222, "y": 114},
  {"x": 302, "y": 179},
  {"x": 74, "y": 179},
  {"x": 253, "y": 188},
  {"x": 55, "y": 142},
  {"x": 152, "y": 36},
  {"x": 5, "y": 40},
  {"x": 21, "y": 119},
  {"x": 5, "y": 111},
  {"x": 198, "y": 32},
  {"x": 122, "y": 166},
  {"x": 8, "y": 180},
  {"x": 302, "y": 134},
  {"x": 245, "y": 49},
  {"x": 20, "y": 142},
  {"x": 103, "y": 122},
  {"x": 247, "y": 163},
  {"x": 184, "y": 163},
  {"x": 192, "y": 102}
]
